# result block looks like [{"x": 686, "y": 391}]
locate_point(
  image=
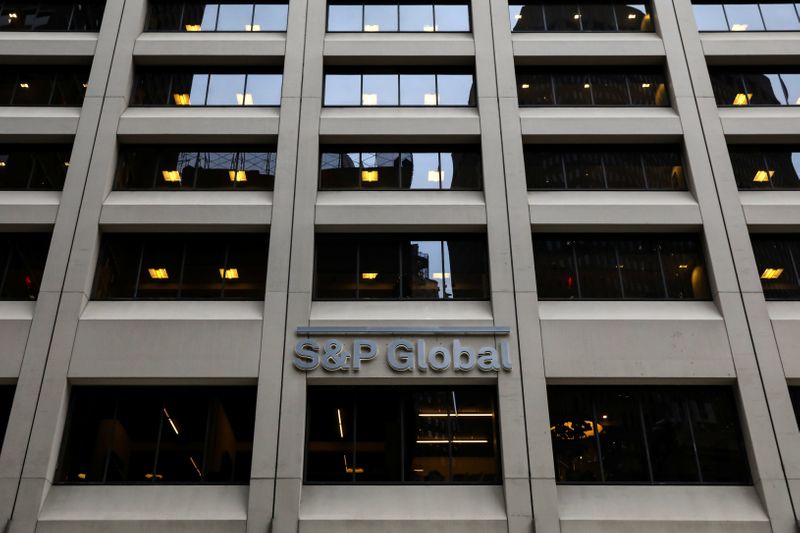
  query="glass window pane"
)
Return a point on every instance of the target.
[
  {"x": 380, "y": 17},
  {"x": 562, "y": 17},
  {"x": 136, "y": 169},
  {"x": 263, "y": 89},
  {"x": 456, "y": 89},
  {"x": 664, "y": 170},
  {"x": 534, "y": 89},
  {"x": 775, "y": 268},
  {"x": 765, "y": 89},
  {"x": 214, "y": 169},
  {"x": 633, "y": 17},
  {"x": 331, "y": 434},
  {"x": 597, "y": 16},
  {"x": 428, "y": 436},
  {"x": 88, "y": 435},
  {"x": 340, "y": 170},
  {"x": 609, "y": 89},
  {"x": 344, "y": 18},
  {"x": 342, "y": 89},
  {"x": 209, "y": 19},
  {"x": 728, "y": 88},
  {"x": 164, "y": 16},
  {"x": 226, "y": 89},
  {"x": 418, "y": 89},
  {"x": 245, "y": 274},
  {"x": 619, "y": 429},
  {"x": 528, "y": 17},
  {"x": 49, "y": 170},
  {"x": 259, "y": 171},
  {"x": 451, "y": 17},
  {"x": 416, "y": 17},
  {"x": 474, "y": 445},
  {"x": 624, "y": 170},
  {"x": 750, "y": 169},
  {"x": 176, "y": 169},
  {"x": 584, "y": 170},
  {"x": 684, "y": 269},
  {"x": 648, "y": 89},
  {"x": 640, "y": 269},
  {"x": 710, "y": 17},
  {"x": 420, "y": 170},
  {"x": 335, "y": 268},
  {"x": 669, "y": 438},
  {"x": 556, "y": 277},
  {"x": 784, "y": 167},
  {"x": 380, "y": 170},
  {"x": 16, "y": 168},
  {"x": 378, "y": 456},
  {"x": 424, "y": 274},
  {"x": 160, "y": 275},
  {"x": 780, "y": 17},
  {"x": 544, "y": 170},
  {"x": 184, "y": 421},
  {"x": 572, "y": 89},
  {"x": 132, "y": 436},
  {"x": 229, "y": 452},
  {"x": 792, "y": 84},
  {"x": 189, "y": 89},
  {"x": 25, "y": 266},
  {"x": 33, "y": 88},
  {"x": 597, "y": 265},
  {"x": 201, "y": 270},
  {"x": 379, "y": 90},
  {"x": 235, "y": 17},
  {"x": 51, "y": 16},
  {"x": 270, "y": 17},
  {"x": 69, "y": 89},
  {"x": 17, "y": 17},
  {"x": 87, "y": 17},
  {"x": 743, "y": 17},
  {"x": 465, "y": 260},
  {"x": 572, "y": 430},
  {"x": 117, "y": 267},
  {"x": 461, "y": 170}
]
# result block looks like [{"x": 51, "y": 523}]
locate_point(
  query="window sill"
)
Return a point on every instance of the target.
[{"x": 443, "y": 312}]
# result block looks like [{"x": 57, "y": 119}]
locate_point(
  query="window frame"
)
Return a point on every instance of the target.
[
  {"x": 69, "y": 27},
  {"x": 11, "y": 239},
  {"x": 760, "y": 14},
  {"x": 54, "y": 72},
  {"x": 613, "y": 4},
  {"x": 54, "y": 149},
  {"x": 740, "y": 75},
  {"x": 397, "y": 4},
  {"x": 183, "y": 4}
]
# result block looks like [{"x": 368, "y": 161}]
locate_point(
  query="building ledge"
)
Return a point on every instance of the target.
[
  {"x": 199, "y": 124},
  {"x": 613, "y": 124},
  {"x": 405, "y": 312},
  {"x": 399, "y": 48},
  {"x": 573, "y": 48},
  {"x": 761, "y": 124},
  {"x": 24, "y": 209},
  {"x": 748, "y": 48},
  {"x": 210, "y": 48},
  {"x": 47, "y": 47}
]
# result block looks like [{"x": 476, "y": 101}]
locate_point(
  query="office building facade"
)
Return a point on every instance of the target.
[{"x": 399, "y": 266}]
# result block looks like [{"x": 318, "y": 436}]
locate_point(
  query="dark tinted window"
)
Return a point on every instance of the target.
[
  {"x": 421, "y": 267},
  {"x": 607, "y": 87},
  {"x": 219, "y": 16},
  {"x": 390, "y": 89},
  {"x": 158, "y": 435},
  {"x": 777, "y": 259},
  {"x": 206, "y": 87},
  {"x": 593, "y": 167},
  {"x": 19, "y": 15},
  {"x": 181, "y": 267},
  {"x": 747, "y": 16},
  {"x": 442, "y": 17},
  {"x": 195, "y": 167},
  {"x": 777, "y": 86},
  {"x": 40, "y": 167},
  {"x": 22, "y": 260},
  {"x": 794, "y": 392},
  {"x": 620, "y": 267},
  {"x": 402, "y": 435},
  {"x": 618, "y": 434},
  {"x": 400, "y": 167},
  {"x": 6, "y": 400},
  {"x": 43, "y": 85},
  {"x": 766, "y": 167},
  {"x": 586, "y": 16}
]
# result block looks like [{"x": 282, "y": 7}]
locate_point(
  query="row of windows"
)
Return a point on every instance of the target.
[
  {"x": 221, "y": 17},
  {"x": 394, "y": 17},
  {"x": 194, "y": 168},
  {"x": 591, "y": 87},
  {"x": 216, "y": 87},
  {"x": 767, "y": 16},
  {"x": 583, "y": 16},
  {"x": 403, "y": 434},
  {"x": 417, "y": 88},
  {"x": 41, "y": 167},
  {"x": 775, "y": 167},
  {"x": 782, "y": 87},
  {"x": 22, "y": 259},
  {"x": 40, "y": 86},
  {"x": 16, "y": 15}
]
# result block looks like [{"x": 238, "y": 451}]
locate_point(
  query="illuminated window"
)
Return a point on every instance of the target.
[
  {"x": 206, "y": 87},
  {"x": 402, "y": 435},
  {"x": 181, "y": 267},
  {"x": 344, "y": 16},
  {"x": 22, "y": 261},
  {"x": 589, "y": 16},
  {"x": 199, "y": 16},
  {"x": 777, "y": 259},
  {"x": 143, "y": 435},
  {"x": 620, "y": 267},
  {"x": 43, "y": 85},
  {"x": 794, "y": 392},
  {"x": 768, "y": 16},
  {"x": 766, "y": 167},
  {"x": 608, "y": 86},
  {"x": 776, "y": 86},
  {"x": 30, "y": 15},
  {"x": 646, "y": 435},
  {"x": 415, "y": 87}
]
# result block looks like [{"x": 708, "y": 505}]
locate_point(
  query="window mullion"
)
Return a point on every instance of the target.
[
  {"x": 663, "y": 271},
  {"x": 597, "y": 439},
  {"x": 575, "y": 265},
  {"x": 7, "y": 266},
  {"x": 619, "y": 271},
  {"x": 110, "y": 439},
  {"x": 225, "y": 269},
  {"x": 139, "y": 270},
  {"x": 644, "y": 437},
  {"x": 183, "y": 267},
  {"x": 644, "y": 172},
  {"x": 71, "y": 15},
  {"x": 206, "y": 443},
  {"x": 688, "y": 416},
  {"x": 355, "y": 436},
  {"x": 158, "y": 440}
]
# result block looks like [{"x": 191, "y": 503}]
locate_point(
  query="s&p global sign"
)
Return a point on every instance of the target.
[{"x": 406, "y": 349}]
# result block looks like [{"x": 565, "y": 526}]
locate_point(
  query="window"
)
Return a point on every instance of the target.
[
  {"x": 6, "y": 400},
  {"x": 778, "y": 87},
  {"x": 590, "y": 87},
  {"x": 25, "y": 15},
  {"x": 401, "y": 167},
  {"x": 794, "y": 392},
  {"x": 402, "y": 435},
  {"x": 766, "y": 167},
  {"x": 22, "y": 260},
  {"x": 194, "y": 168},
  {"x": 602, "y": 168},
  {"x": 220, "y": 16},
  {"x": 646, "y": 435},
  {"x": 142, "y": 435},
  {"x": 43, "y": 85},
  {"x": 166, "y": 266},
  {"x": 439, "y": 17},
  {"x": 386, "y": 89},
  {"x": 204, "y": 87},
  {"x": 620, "y": 267},
  {"x": 773, "y": 16},
  {"x": 42, "y": 167},
  {"x": 777, "y": 259},
  {"x": 589, "y": 16},
  {"x": 392, "y": 267}
]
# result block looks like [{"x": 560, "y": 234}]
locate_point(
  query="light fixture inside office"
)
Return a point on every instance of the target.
[
  {"x": 771, "y": 273},
  {"x": 742, "y": 98},
  {"x": 372, "y": 27},
  {"x": 171, "y": 176},
  {"x": 587, "y": 85},
  {"x": 24, "y": 85},
  {"x": 158, "y": 273},
  {"x": 229, "y": 273},
  {"x": 369, "y": 99},
  {"x": 435, "y": 175},
  {"x": 441, "y": 275},
  {"x": 253, "y": 27},
  {"x": 429, "y": 99},
  {"x": 518, "y": 16},
  {"x": 739, "y": 27},
  {"x": 526, "y": 85},
  {"x": 631, "y": 16},
  {"x": 369, "y": 275},
  {"x": 181, "y": 99},
  {"x": 430, "y": 28},
  {"x": 763, "y": 176},
  {"x": 244, "y": 99},
  {"x": 192, "y": 27},
  {"x": 369, "y": 176},
  {"x": 237, "y": 175}
]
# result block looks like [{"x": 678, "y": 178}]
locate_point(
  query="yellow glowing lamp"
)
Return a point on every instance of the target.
[
  {"x": 771, "y": 273},
  {"x": 369, "y": 176},
  {"x": 192, "y": 27},
  {"x": 435, "y": 175},
  {"x": 229, "y": 273},
  {"x": 441, "y": 275},
  {"x": 369, "y": 275},
  {"x": 429, "y": 99},
  {"x": 237, "y": 175},
  {"x": 763, "y": 176},
  {"x": 171, "y": 176},
  {"x": 158, "y": 273},
  {"x": 739, "y": 27},
  {"x": 181, "y": 99},
  {"x": 244, "y": 99},
  {"x": 742, "y": 98},
  {"x": 369, "y": 99}
]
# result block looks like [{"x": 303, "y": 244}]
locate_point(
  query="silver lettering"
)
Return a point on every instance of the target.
[
  {"x": 306, "y": 357},
  {"x": 439, "y": 358},
  {"x": 459, "y": 352},
  {"x": 363, "y": 350},
  {"x": 401, "y": 362}
]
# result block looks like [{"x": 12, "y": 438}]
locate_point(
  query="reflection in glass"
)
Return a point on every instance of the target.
[
  {"x": 31, "y": 15},
  {"x": 747, "y": 17},
  {"x": 776, "y": 259},
  {"x": 570, "y": 17},
  {"x": 743, "y": 17},
  {"x": 171, "y": 87},
  {"x": 190, "y": 16},
  {"x": 416, "y": 89},
  {"x": 607, "y": 87},
  {"x": 755, "y": 87},
  {"x": 22, "y": 261}
]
